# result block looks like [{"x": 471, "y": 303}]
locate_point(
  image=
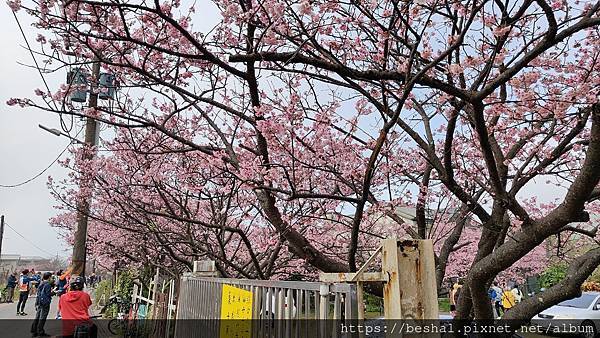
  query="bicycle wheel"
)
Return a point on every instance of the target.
[{"x": 115, "y": 326}]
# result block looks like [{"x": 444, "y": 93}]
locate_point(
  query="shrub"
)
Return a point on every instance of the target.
[{"x": 553, "y": 275}]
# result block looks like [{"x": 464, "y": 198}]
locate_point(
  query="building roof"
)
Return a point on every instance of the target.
[
  {"x": 10, "y": 257},
  {"x": 34, "y": 258}
]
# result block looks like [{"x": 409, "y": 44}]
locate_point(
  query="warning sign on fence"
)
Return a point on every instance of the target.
[{"x": 236, "y": 312}]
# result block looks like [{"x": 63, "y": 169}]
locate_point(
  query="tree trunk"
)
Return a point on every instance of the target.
[{"x": 569, "y": 287}]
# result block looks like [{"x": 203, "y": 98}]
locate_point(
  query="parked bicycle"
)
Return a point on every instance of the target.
[{"x": 124, "y": 324}]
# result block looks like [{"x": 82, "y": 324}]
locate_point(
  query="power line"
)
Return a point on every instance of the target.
[
  {"x": 48, "y": 89},
  {"x": 63, "y": 125},
  {"x": 43, "y": 171},
  {"x": 39, "y": 174},
  {"x": 29, "y": 241},
  {"x": 33, "y": 55}
]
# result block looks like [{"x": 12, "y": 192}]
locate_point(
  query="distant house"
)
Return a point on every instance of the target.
[
  {"x": 408, "y": 215},
  {"x": 13, "y": 263},
  {"x": 9, "y": 263}
]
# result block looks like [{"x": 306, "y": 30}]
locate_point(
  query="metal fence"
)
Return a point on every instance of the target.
[
  {"x": 279, "y": 308},
  {"x": 308, "y": 309}
]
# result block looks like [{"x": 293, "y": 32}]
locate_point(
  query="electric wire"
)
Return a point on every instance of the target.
[
  {"x": 39, "y": 174},
  {"x": 37, "y": 66},
  {"x": 28, "y": 240},
  {"x": 43, "y": 171}
]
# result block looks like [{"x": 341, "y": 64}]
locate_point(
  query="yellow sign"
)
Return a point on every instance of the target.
[{"x": 236, "y": 313}]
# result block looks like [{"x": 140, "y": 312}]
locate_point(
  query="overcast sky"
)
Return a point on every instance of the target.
[{"x": 25, "y": 150}]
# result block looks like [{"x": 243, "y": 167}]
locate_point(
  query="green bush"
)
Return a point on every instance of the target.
[
  {"x": 553, "y": 275},
  {"x": 373, "y": 304},
  {"x": 444, "y": 304},
  {"x": 103, "y": 292},
  {"x": 123, "y": 288}
]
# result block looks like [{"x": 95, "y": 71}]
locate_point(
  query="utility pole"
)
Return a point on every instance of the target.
[
  {"x": 1, "y": 232},
  {"x": 83, "y": 208}
]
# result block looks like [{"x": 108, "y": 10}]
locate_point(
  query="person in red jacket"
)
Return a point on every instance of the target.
[{"x": 74, "y": 308}]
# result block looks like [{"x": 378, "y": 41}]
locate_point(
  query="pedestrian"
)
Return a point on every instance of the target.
[
  {"x": 508, "y": 299},
  {"x": 492, "y": 299},
  {"x": 11, "y": 283},
  {"x": 24, "y": 286},
  {"x": 75, "y": 307},
  {"x": 37, "y": 277},
  {"x": 454, "y": 296},
  {"x": 497, "y": 299},
  {"x": 93, "y": 280},
  {"x": 42, "y": 306},
  {"x": 62, "y": 285},
  {"x": 453, "y": 288},
  {"x": 517, "y": 293}
]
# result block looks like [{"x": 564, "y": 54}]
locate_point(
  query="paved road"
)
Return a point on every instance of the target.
[
  {"x": 19, "y": 326},
  {"x": 9, "y": 310}
]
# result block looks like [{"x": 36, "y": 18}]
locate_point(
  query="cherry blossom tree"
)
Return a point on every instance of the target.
[{"x": 282, "y": 131}]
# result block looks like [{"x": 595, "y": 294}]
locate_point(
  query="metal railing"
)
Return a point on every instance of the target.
[
  {"x": 258, "y": 308},
  {"x": 279, "y": 308}
]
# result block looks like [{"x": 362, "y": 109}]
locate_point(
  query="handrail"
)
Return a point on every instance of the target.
[{"x": 301, "y": 285}]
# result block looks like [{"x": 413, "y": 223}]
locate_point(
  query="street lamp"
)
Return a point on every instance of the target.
[{"x": 60, "y": 133}]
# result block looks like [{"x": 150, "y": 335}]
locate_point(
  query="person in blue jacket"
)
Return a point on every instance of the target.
[
  {"x": 62, "y": 284},
  {"x": 11, "y": 284},
  {"x": 24, "y": 285},
  {"x": 42, "y": 306}
]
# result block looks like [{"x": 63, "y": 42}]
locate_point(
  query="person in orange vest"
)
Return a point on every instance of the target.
[{"x": 24, "y": 285}]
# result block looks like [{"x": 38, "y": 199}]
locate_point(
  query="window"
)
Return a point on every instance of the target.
[{"x": 582, "y": 302}]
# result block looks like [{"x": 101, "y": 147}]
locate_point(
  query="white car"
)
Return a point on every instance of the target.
[{"x": 579, "y": 315}]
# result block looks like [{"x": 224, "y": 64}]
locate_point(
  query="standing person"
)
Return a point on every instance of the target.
[
  {"x": 454, "y": 296},
  {"x": 508, "y": 299},
  {"x": 93, "y": 280},
  {"x": 62, "y": 285},
  {"x": 498, "y": 299},
  {"x": 451, "y": 298},
  {"x": 42, "y": 306},
  {"x": 63, "y": 281},
  {"x": 35, "y": 283},
  {"x": 492, "y": 297},
  {"x": 517, "y": 293},
  {"x": 458, "y": 291},
  {"x": 11, "y": 283},
  {"x": 74, "y": 307},
  {"x": 32, "y": 282},
  {"x": 24, "y": 285}
]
